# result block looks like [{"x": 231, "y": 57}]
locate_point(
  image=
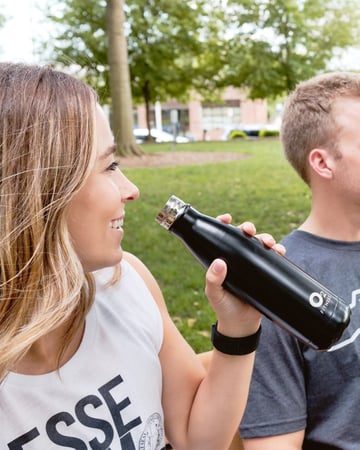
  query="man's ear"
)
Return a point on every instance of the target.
[{"x": 321, "y": 162}]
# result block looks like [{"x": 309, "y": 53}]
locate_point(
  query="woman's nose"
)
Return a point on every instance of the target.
[{"x": 129, "y": 191}]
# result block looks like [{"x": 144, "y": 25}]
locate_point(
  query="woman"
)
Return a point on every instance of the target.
[{"x": 89, "y": 355}]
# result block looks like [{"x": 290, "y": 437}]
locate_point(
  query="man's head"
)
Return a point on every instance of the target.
[{"x": 311, "y": 119}]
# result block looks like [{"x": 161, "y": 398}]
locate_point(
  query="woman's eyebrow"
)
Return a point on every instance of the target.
[{"x": 109, "y": 151}]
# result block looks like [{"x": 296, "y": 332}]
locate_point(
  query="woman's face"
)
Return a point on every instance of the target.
[{"x": 97, "y": 211}]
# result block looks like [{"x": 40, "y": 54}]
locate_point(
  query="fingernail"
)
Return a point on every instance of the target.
[{"x": 217, "y": 267}]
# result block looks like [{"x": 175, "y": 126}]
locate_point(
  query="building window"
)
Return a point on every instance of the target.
[
  {"x": 183, "y": 118},
  {"x": 220, "y": 115}
]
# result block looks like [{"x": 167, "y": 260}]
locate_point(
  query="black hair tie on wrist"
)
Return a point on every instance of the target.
[{"x": 233, "y": 345}]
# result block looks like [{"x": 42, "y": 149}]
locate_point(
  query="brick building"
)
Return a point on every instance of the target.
[{"x": 208, "y": 121}]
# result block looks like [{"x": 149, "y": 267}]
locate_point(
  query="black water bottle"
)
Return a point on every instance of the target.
[{"x": 270, "y": 282}]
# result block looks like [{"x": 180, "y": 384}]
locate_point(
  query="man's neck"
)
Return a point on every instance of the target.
[{"x": 335, "y": 228}]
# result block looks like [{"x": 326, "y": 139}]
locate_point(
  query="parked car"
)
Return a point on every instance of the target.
[{"x": 159, "y": 135}]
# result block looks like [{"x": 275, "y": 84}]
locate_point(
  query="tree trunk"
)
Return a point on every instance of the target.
[
  {"x": 146, "y": 96},
  {"x": 122, "y": 121}
]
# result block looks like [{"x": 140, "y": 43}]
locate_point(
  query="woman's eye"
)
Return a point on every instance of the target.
[{"x": 113, "y": 166}]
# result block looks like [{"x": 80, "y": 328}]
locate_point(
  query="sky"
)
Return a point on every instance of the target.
[{"x": 22, "y": 25}]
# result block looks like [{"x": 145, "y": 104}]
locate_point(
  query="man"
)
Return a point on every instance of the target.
[{"x": 300, "y": 398}]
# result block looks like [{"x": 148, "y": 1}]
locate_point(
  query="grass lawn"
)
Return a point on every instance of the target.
[{"x": 262, "y": 188}]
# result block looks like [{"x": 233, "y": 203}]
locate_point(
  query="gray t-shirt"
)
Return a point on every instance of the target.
[{"x": 294, "y": 387}]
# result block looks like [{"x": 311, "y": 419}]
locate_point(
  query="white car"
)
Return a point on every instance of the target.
[{"x": 160, "y": 136}]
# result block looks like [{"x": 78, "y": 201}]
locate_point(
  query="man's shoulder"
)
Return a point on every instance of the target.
[{"x": 298, "y": 236}]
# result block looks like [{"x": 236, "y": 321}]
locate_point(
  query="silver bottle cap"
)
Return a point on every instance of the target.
[{"x": 172, "y": 209}]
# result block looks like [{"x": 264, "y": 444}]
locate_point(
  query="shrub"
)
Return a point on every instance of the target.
[
  {"x": 268, "y": 133},
  {"x": 237, "y": 134}
]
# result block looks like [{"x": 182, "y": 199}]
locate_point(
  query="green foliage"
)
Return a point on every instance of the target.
[
  {"x": 261, "y": 187},
  {"x": 80, "y": 40},
  {"x": 167, "y": 52},
  {"x": 178, "y": 47},
  {"x": 172, "y": 45},
  {"x": 279, "y": 43},
  {"x": 269, "y": 133},
  {"x": 237, "y": 134}
]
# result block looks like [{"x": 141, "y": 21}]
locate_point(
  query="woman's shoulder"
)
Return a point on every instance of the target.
[
  {"x": 130, "y": 275},
  {"x": 135, "y": 262},
  {"x": 147, "y": 277}
]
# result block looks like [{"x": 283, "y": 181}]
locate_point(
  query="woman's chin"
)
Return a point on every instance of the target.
[{"x": 112, "y": 261}]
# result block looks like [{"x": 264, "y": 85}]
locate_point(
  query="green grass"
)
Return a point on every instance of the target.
[{"x": 262, "y": 188}]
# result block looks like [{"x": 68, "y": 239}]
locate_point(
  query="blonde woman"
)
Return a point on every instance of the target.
[{"x": 89, "y": 357}]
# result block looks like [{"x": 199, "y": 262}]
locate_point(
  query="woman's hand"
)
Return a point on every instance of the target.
[{"x": 235, "y": 318}]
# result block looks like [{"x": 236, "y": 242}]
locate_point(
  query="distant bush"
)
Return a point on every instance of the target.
[
  {"x": 237, "y": 134},
  {"x": 268, "y": 133},
  {"x": 251, "y": 132}
]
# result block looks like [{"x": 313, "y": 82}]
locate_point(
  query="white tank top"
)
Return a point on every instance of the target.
[{"x": 108, "y": 395}]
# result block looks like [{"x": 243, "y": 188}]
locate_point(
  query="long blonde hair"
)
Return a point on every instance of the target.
[{"x": 47, "y": 150}]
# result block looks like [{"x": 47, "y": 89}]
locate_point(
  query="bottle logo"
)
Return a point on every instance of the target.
[
  {"x": 316, "y": 300},
  {"x": 321, "y": 301}
]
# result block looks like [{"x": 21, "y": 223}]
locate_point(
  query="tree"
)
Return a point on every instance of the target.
[
  {"x": 84, "y": 44},
  {"x": 172, "y": 46},
  {"x": 275, "y": 44},
  {"x": 119, "y": 79}
]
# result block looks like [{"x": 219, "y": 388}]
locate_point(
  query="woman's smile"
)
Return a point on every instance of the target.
[{"x": 117, "y": 223}]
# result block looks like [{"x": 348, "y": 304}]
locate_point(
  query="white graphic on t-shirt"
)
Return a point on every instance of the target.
[{"x": 153, "y": 434}]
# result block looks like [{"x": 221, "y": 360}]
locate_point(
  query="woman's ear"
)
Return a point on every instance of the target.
[{"x": 321, "y": 162}]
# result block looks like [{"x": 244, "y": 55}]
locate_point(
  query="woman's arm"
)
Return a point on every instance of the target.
[{"x": 203, "y": 409}]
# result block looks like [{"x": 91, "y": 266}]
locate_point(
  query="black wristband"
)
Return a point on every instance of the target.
[{"x": 234, "y": 346}]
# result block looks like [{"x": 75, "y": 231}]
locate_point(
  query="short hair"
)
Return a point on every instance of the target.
[{"x": 308, "y": 121}]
